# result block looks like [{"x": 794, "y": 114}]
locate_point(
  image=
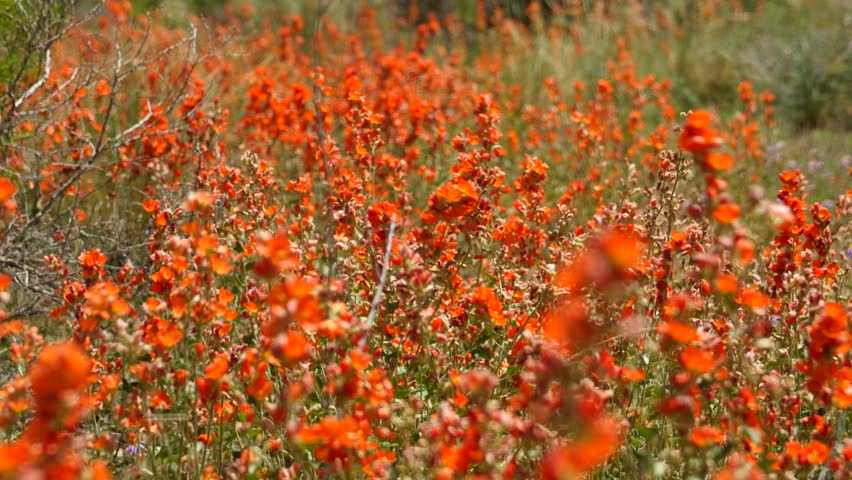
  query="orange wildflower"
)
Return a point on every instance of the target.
[
  {"x": 275, "y": 255},
  {"x": 830, "y": 332},
  {"x": 169, "y": 335},
  {"x": 103, "y": 301},
  {"x": 291, "y": 347},
  {"x": 151, "y": 205},
  {"x": 199, "y": 201},
  {"x": 726, "y": 213},
  {"x": 581, "y": 456},
  {"x": 706, "y": 435},
  {"x": 624, "y": 249},
  {"x": 842, "y": 394},
  {"x": 7, "y": 188},
  {"x": 697, "y": 360},
  {"x": 719, "y": 161},
  {"x": 696, "y": 135},
  {"x": 814, "y": 453},
  {"x": 218, "y": 367},
  {"x": 754, "y": 299},
  {"x": 456, "y": 198},
  {"x": 725, "y": 283},
  {"x": 678, "y": 331},
  {"x": 485, "y": 297},
  {"x": 61, "y": 369},
  {"x": 220, "y": 264},
  {"x": 93, "y": 262},
  {"x": 5, "y": 281}
]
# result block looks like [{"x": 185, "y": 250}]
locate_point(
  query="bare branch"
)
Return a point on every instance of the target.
[
  {"x": 35, "y": 86},
  {"x": 135, "y": 126},
  {"x": 377, "y": 297}
]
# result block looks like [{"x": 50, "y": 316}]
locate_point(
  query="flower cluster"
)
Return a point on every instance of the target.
[{"x": 323, "y": 253}]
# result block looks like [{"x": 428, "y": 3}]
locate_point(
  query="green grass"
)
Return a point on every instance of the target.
[{"x": 825, "y": 157}]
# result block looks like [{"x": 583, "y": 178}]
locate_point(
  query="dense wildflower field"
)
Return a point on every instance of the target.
[{"x": 355, "y": 240}]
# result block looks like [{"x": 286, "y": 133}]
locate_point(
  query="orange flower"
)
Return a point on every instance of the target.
[
  {"x": 842, "y": 395},
  {"x": 788, "y": 176},
  {"x": 294, "y": 300},
  {"x": 624, "y": 249},
  {"x": 199, "y": 201},
  {"x": 830, "y": 332},
  {"x": 102, "y": 303},
  {"x": 169, "y": 335},
  {"x": 699, "y": 119},
  {"x": 745, "y": 250},
  {"x": 337, "y": 433},
  {"x": 218, "y": 367},
  {"x": 260, "y": 387},
  {"x": 275, "y": 255},
  {"x": 291, "y": 347},
  {"x": 92, "y": 262},
  {"x": 814, "y": 453},
  {"x": 102, "y": 88},
  {"x": 455, "y": 198},
  {"x": 5, "y": 281},
  {"x": 383, "y": 213},
  {"x": 678, "y": 331},
  {"x": 725, "y": 283},
  {"x": 460, "y": 399},
  {"x": 13, "y": 457},
  {"x": 631, "y": 374},
  {"x": 719, "y": 161},
  {"x": 220, "y": 264},
  {"x": 61, "y": 369},
  {"x": 726, "y": 213},
  {"x": 485, "y": 297},
  {"x": 204, "y": 244},
  {"x": 100, "y": 471},
  {"x": 607, "y": 259},
  {"x": 833, "y": 320},
  {"x": 360, "y": 359},
  {"x": 177, "y": 302},
  {"x": 151, "y": 205},
  {"x": 697, "y": 360},
  {"x": 456, "y": 190},
  {"x": 7, "y": 188},
  {"x": 13, "y": 326},
  {"x": 696, "y": 135},
  {"x": 569, "y": 323},
  {"x": 163, "y": 275},
  {"x": 706, "y": 435},
  {"x": 581, "y": 456},
  {"x": 224, "y": 295},
  {"x": 752, "y": 297}
]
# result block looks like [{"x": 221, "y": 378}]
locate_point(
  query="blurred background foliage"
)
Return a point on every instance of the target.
[{"x": 798, "y": 49}]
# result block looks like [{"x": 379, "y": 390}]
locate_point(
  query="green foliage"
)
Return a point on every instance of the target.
[
  {"x": 811, "y": 70},
  {"x": 797, "y": 50},
  {"x": 143, "y": 6},
  {"x": 11, "y": 37},
  {"x": 27, "y": 29}
]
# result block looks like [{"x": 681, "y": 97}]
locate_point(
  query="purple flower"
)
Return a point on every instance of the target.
[{"x": 134, "y": 450}]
